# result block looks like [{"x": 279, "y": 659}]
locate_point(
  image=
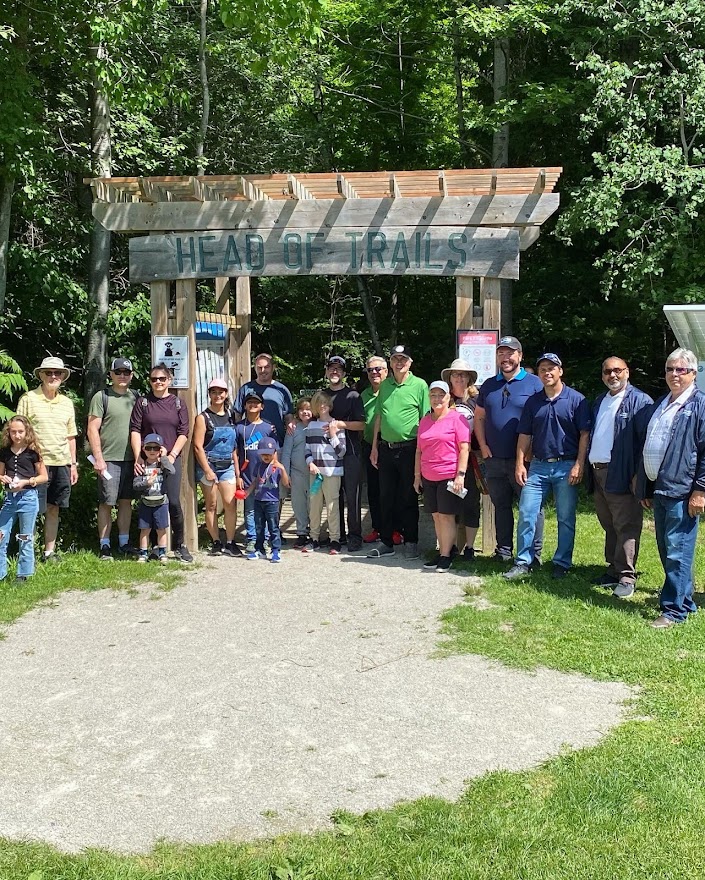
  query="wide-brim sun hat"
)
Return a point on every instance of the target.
[
  {"x": 51, "y": 363},
  {"x": 459, "y": 366}
]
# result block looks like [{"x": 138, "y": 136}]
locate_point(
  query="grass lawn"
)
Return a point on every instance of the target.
[{"x": 629, "y": 808}]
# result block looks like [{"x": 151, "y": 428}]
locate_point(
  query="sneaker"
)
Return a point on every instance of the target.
[
  {"x": 623, "y": 590},
  {"x": 128, "y": 550},
  {"x": 501, "y": 557},
  {"x": 662, "y": 622},
  {"x": 334, "y": 548},
  {"x": 153, "y": 555},
  {"x": 231, "y": 549},
  {"x": 411, "y": 550},
  {"x": 275, "y": 556},
  {"x": 397, "y": 538},
  {"x": 606, "y": 580},
  {"x": 517, "y": 571},
  {"x": 444, "y": 564},
  {"x": 216, "y": 549},
  {"x": 468, "y": 554},
  {"x": 308, "y": 547},
  {"x": 371, "y": 537},
  {"x": 21, "y": 578},
  {"x": 354, "y": 546},
  {"x": 558, "y": 572},
  {"x": 300, "y": 542},
  {"x": 53, "y": 558},
  {"x": 380, "y": 550},
  {"x": 163, "y": 559},
  {"x": 183, "y": 555},
  {"x": 316, "y": 545},
  {"x": 535, "y": 565},
  {"x": 253, "y": 554},
  {"x": 249, "y": 547},
  {"x": 432, "y": 563},
  {"x": 142, "y": 557},
  {"x": 104, "y": 552},
  {"x": 324, "y": 542}
]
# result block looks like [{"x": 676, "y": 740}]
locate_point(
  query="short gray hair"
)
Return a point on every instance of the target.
[
  {"x": 376, "y": 357},
  {"x": 683, "y": 354}
]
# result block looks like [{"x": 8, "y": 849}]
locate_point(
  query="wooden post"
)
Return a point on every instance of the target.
[
  {"x": 185, "y": 326},
  {"x": 464, "y": 304},
  {"x": 222, "y": 296},
  {"x": 159, "y": 296},
  {"x": 490, "y": 295},
  {"x": 241, "y": 345}
]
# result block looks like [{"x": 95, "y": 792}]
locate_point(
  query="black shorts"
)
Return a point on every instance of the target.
[
  {"x": 57, "y": 490},
  {"x": 437, "y": 498},
  {"x": 119, "y": 486}
]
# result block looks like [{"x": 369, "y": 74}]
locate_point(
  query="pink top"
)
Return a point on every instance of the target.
[{"x": 439, "y": 441}]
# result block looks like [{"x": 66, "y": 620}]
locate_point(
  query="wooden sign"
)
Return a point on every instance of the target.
[{"x": 492, "y": 252}]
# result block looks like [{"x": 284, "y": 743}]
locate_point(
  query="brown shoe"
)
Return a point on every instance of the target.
[{"x": 662, "y": 622}]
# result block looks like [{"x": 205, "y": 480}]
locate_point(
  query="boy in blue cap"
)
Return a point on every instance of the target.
[
  {"x": 268, "y": 473},
  {"x": 153, "y": 510}
]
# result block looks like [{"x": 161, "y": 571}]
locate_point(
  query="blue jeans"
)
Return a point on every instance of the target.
[
  {"x": 545, "y": 476},
  {"x": 267, "y": 514},
  {"x": 21, "y": 506},
  {"x": 676, "y": 534},
  {"x": 250, "y": 528}
]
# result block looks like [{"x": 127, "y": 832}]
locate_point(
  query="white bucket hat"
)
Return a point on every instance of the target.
[
  {"x": 52, "y": 363},
  {"x": 459, "y": 366}
]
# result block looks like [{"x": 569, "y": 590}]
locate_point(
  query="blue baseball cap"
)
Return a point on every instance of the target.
[
  {"x": 550, "y": 356},
  {"x": 157, "y": 439},
  {"x": 267, "y": 444}
]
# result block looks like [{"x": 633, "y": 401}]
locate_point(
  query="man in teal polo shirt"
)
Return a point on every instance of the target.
[{"x": 401, "y": 402}]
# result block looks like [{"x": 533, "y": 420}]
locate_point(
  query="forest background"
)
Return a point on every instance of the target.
[{"x": 612, "y": 91}]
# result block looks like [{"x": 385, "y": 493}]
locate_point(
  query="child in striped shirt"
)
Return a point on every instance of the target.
[{"x": 324, "y": 455}]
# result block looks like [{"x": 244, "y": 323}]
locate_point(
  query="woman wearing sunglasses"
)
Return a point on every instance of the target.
[{"x": 160, "y": 412}]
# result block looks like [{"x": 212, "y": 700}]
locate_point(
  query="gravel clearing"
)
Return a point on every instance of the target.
[{"x": 260, "y": 698}]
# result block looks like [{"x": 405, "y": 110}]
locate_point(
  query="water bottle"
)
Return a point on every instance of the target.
[{"x": 316, "y": 484}]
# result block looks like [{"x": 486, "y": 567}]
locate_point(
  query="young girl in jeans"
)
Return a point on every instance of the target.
[{"x": 21, "y": 471}]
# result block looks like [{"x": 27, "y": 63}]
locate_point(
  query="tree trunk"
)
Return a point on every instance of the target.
[
  {"x": 460, "y": 96},
  {"x": 99, "y": 267},
  {"x": 7, "y": 188},
  {"x": 206, "y": 107},
  {"x": 369, "y": 310},
  {"x": 500, "y": 153}
]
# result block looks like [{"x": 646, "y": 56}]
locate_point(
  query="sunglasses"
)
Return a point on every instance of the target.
[
  {"x": 122, "y": 372},
  {"x": 152, "y": 448},
  {"x": 679, "y": 371},
  {"x": 158, "y": 378},
  {"x": 375, "y": 369},
  {"x": 616, "y": 370},
  {"x": 52, "y": 373}
]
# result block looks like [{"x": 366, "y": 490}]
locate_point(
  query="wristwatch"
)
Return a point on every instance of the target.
[{"x": 461, "y": 473}]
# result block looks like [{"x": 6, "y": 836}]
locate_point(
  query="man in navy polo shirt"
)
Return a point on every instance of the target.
[
  {"x": 499, "y": 406},
  {"x": 555, "y": 424}
]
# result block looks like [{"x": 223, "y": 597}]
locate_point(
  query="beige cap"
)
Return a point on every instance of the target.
[
  {"x": 52, "y": 363},
  {"x": 459, "y": 366}
]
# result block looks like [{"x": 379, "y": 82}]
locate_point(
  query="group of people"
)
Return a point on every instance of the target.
[{"x": 521, "y": 436}]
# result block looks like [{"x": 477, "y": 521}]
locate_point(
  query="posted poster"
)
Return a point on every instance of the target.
[
  {"x": 173, "y": 351},
  {"x": 479, "y": 349}
]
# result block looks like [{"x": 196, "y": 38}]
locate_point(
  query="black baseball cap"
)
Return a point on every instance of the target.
[
  {"x": 509, "y": 342},
  {"x": 336, "y": 359},
  {"x": 253, "y": 395},
  {"x": 400, "y": 349},
  {"x": 120, "y": 364}
]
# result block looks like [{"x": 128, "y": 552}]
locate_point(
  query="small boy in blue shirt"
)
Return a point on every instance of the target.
[{"x": 268, "y": 473}]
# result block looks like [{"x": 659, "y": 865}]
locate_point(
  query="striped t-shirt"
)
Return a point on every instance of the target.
[
  {"x": 54, "y": 421},
  {"x": 325, "y": 452}
]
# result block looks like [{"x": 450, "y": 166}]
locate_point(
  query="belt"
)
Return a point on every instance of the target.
[
  {"x": 400, "y": 445},
  {"x": 558, "y": 458},
  {"x": 600, "y": 465}
]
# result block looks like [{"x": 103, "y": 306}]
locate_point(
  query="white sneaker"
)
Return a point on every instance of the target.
[{"x": 623, "y": 590}]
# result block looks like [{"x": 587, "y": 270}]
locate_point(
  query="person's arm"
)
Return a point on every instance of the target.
[
  {"x": 74, "y": 462},
  {"x": 374, "y": 452},
  {"x": 463, "y": 454},
  {"x": 181, "y": 433},
  {"x": 284, "y": 476},
  {"x": 576, "y": 472},
  {"x": 40, "y": 474},
  {"x": 337, "y": 441},
  {"x": 3, "y": 479},
  {"x": 479, "y": 428},
  {"x": 417, "y": 471},
  {"x": 136, "y": 444},
  {"x": 93, "y": 432},
  {"x": 199, "y": 436},
  {"x": 523, "y": 446}
]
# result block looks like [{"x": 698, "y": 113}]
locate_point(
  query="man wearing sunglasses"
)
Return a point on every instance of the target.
[
  {"x": 613, "y": 459},
  {"x": 113, "y": 460},
  {"x": 53, "y": 418},
  {"x": 671, "y": 481},
  {"x": 377, "y": 372}
]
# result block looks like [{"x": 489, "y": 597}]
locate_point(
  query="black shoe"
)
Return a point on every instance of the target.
[
  {"x": 517, "y": 571},
  {"x": 468, "y": 554},
  {"x": 354, "y": 546},
  {"x": 128, "y": 551},
  {"x": 500, "y": 557},
  {"x": 216, "y": 549},
  {"x": 605, "y": 580},
  {"x": 316, "y": 545},
  {"x": 104, "y": 552},
  {"x": 324, "y": 542},
  {"x": 183, "y": 555},
  {"x": 334, "y": 548},
  {"x": 535, "y": 565},
  {"x": 300, "y": 542},
  {"x": 21, "y": 578},
  {"x": 433, "y": 563},
  {"x": 53, "y": 558},
  {"x": 558, "y": 572},
  {"x": 444, "y": 564},
  {"x": 231, "y": 549}
]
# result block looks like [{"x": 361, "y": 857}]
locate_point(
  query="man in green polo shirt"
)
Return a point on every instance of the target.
[
  {"x": 401, "y": 402},
  {"x": 377, "y": 372}
]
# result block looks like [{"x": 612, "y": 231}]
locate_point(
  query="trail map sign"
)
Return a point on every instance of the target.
[{"x": 173, "y": 351}]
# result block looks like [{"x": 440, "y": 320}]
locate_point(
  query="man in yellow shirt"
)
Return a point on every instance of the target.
[{"x": 53, "y": 418}]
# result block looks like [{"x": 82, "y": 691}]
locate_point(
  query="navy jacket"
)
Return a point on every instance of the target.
[
  {"x": 683, "y": 467},
  {"x": 628, "y": 441}
]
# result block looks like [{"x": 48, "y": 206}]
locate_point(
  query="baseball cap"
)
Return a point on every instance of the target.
[
  {"x": 121, "y": 364},
  {"x": 510, "y": 342},
  {"x": 439, "y": 384},
  {"x": 336, "y": 359},
  {"x": 218, "y": 383},
  {"x": 400, "y": 349},
  {"x": 267, "y": 444},
  {"x": 550, "y": 356},
  {"x": 253, "y": 395},
  {"x": 156, "y": 439}
]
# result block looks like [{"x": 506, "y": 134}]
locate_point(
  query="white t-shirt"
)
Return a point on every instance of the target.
[{"x": 603, "y": 435}]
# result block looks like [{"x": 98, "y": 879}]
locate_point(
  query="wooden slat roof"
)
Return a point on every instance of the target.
[{"x": 330, "y": 185}]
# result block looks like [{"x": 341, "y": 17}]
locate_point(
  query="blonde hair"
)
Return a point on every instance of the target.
[
  {"x": 301, "y": 403},
  {"x": 30, "y": 436},
  {"x": 318, "y": 398}
]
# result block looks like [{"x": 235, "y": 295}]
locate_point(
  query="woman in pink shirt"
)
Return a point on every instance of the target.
[{"x": 443, "y": 446}]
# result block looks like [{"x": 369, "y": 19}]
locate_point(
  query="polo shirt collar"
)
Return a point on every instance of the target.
[{"x": 520, "y": 375}]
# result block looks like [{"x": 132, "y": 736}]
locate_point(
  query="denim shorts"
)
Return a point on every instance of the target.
[
  {"x": 224, "y": 474},
  {"x": 153, "y": 517}
]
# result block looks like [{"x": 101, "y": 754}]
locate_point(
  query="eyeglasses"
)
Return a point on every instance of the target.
[
  {"x": 679, "y": 371},
  {"x": 152, "y": 448},
  {"x": 50, "y": 374},
  {"x": 122, "y": 372},
  {"x": 158, "y": 378},
  {"x": 375, "y": 369},
  {"x": 616, "y": 370}
]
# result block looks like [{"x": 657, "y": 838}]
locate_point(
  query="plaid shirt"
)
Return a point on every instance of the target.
[{"x": 658, "y": 433}]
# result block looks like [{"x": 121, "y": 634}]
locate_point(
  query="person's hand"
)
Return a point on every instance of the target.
[
  {"x": 332, "y": 427},
  {"x": 458, "y": 484},
  {"x": 139, "y": 468},
  {"x": 239, "y": 483},
  {"x": 291, "y": 427},
  {"x": 5, "y": 479},
  {"x": 576, "y": 474},
  {"x": 647, "y": 503},
  {"x": 418, "y": 484},
  {"x": 99, "y": 465},
  {"x": 696, "y": 503},
  {"x": 374, "y": 457},
  {"x": 520, "y": 475},
  {"x": 312, "y": 469},
  {"x": 210, "y": 475},
  {"x": 74, "y": 474},
  {"x": 151, "y": 478},
  {"x": 485, "y": 451}
]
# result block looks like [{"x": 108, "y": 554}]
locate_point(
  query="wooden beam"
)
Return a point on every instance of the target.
[
  {"x": 345, "y": 188},
  {"x": 540, "y": 184},
  {"x": 159, "y": 292},
  {"x": 152, "y": 192},
  {"x": 252, "y": 192},
  {"x": 222, "y": 296},
  {"x": 297, "y": 190},
  {"x": 229, "y": 321},
  {"x": 490, "y": 296},
  {"x": 390, "y": 250},
  {"x": 442, "y": 183},
  {"x": 202, "y": 192},
  {"x": 185, "y": 326},
  {"x": 260, "y": 212},
  {"x": 464, "y": 294},
  {"x": 241, "y": 366},
  {"x": 394, "y": 187},
  {"x": 528, "y": 236}
]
